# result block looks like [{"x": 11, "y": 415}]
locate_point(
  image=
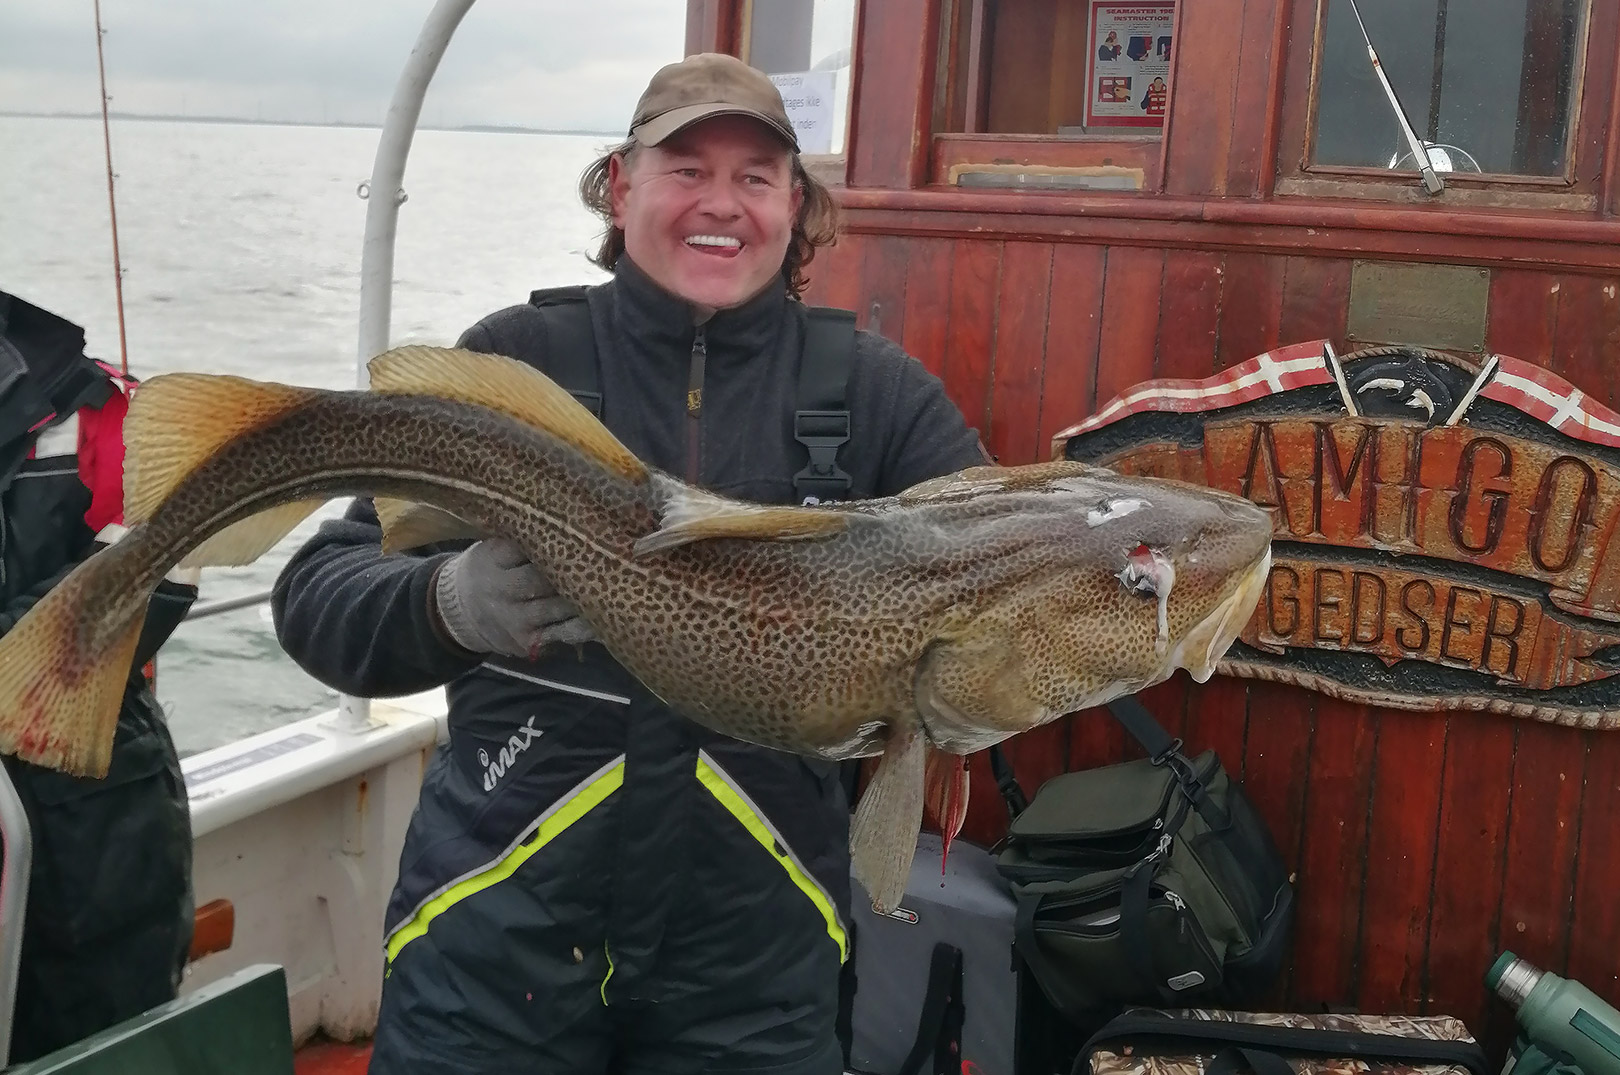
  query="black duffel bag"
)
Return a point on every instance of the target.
[{"x": 1145, "y": 883}]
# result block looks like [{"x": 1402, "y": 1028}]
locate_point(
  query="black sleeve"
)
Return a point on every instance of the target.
[
  {"x": 925, "y": 435},
  {"x": 359, "y": 621}
]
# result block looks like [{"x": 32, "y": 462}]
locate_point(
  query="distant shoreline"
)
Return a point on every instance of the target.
[{"x": 478, "y": 128}]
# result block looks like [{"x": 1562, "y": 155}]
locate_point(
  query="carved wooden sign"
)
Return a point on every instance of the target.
[{"x": 1445, "y": 533}]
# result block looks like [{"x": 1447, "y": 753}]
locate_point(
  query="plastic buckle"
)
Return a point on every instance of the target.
[
  {"x": 1169, "y": 753},
  {"x": 822, "y": 433}
]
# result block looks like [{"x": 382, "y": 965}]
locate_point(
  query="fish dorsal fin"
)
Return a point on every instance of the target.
[
  {"x": 409, "y": 525},
  {"x": 694, "y": 515},
  {"x": 177, "y": 421},
  {"x": 502, "y": 384}
]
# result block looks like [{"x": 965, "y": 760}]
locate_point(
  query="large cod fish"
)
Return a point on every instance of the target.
[{"x": 945, "y": 619}]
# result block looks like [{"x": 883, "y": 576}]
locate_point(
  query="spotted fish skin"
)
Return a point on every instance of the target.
[{"x": 948, "y": 617}]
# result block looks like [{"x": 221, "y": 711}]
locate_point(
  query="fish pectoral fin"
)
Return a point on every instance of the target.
[
  {"x": 63, "y": 670},
  {"x": 409, "y": 525},
  {"x": 883, "y": 835},
  {"x": 979, "y": 681},
  {"x": 245, "y": 540},
  {"x": 515, "y": 389},
  {"x": 693, "y": 515},
  {"x": 176, "y": 421}
]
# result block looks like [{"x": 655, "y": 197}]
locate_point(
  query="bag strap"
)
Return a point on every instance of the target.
[
  {"x": 821, "y": 420},
  {"x": 1011, "y": 793},
  {"x": 1163, "y": 750},
  {"x": 1137, "y": 1029},
  {"x": 570, "y": 342},
  {"x": 939, "y": 1028}
]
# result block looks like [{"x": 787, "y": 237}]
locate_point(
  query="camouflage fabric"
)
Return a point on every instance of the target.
[{"x": 1430, "y": 1027}]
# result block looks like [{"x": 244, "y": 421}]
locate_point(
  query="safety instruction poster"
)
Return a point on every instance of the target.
[{"x": 1128, "y": 63}]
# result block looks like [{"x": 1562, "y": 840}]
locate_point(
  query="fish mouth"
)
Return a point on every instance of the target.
[{"x": 1204, "y": 646}]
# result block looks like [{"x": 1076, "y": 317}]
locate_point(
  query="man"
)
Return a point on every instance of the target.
[
  {"x": 109, "y": 913},
  {"x": 592, "y": 882}
]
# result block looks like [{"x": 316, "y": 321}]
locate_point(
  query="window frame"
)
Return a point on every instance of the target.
[
  {"x": 952, "y": 152},
  {"x": 829, "y": 169},
  {"x": 1578, "y": 188}
]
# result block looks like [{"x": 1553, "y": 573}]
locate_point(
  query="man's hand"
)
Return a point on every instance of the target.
[{"x": 492, "y": 599}]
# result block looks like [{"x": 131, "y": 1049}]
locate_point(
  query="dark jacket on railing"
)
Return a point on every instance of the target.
[{"x": 109, "y": 913}]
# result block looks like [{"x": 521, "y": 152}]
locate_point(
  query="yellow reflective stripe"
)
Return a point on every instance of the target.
[
  {"x": 740, "y": 807},
  {"x": 567, "y": 810}
]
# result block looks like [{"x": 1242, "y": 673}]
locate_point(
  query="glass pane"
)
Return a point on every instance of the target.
[
  {"x": 1489, "y": 82},
  {"x": 805, "y": 46}
]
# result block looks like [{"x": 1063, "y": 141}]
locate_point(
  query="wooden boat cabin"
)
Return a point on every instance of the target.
[{"x": 1050, "y": 202}]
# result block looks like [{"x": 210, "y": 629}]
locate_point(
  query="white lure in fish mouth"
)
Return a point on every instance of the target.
[{"x": 1149, "y": 571}]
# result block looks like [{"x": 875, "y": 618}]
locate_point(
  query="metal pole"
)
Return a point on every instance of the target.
[
  {"x": 384, "y": 194},
  {"x": 17, "y": 847}
]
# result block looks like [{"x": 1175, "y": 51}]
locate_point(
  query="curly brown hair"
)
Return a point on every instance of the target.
[{"x": 816, "y": 226}]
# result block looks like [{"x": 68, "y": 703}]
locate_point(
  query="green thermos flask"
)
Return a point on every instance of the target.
[{"x": 1563, "y": 1023}]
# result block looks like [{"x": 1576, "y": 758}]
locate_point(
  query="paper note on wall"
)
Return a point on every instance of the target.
[{"x": 810, "y": 98}]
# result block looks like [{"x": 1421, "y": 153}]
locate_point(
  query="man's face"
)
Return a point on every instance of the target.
[{"x": 708, "y": 212}]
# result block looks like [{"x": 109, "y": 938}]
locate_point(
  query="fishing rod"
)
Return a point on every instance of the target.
[
  {"x": 112, "y": 202},
  {"x": 1420, "y": 153}
]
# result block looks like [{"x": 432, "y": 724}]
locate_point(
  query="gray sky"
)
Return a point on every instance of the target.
[{"x": 568, "y": 64}]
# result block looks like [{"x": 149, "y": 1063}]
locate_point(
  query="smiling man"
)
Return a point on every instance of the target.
[{"x": 591, "y": 881}]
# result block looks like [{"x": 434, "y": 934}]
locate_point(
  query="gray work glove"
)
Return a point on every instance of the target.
[{"x": 492, "y": 599}]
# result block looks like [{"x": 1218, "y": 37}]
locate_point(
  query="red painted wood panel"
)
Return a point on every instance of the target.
[
  {"x": 1333, "y": 854},
  {"x": 1189, "y": 318},
  {"x": 1315, "y": 301},
  {"x": 884, "y": 263},
  {"x": 1257, "y": 66},
  {"x": 1217, "y": 719},
  {"x": 1127, "y": 345},
  {"x": 1069, "y": 380},
  {"x": 893, "y": 98},
  {"x": 975, "y": 283},
  {"x": 835, "y": 273},
  {"x": 1400, "y": 861},
  {"x": 1015, "y": 398},
  {"x": 1251, "y": 307},
  {"x": 928, "y": 301},
  {"x": 1277, "y": 752},
  {"x": 1588, "y": 337},
  {"x": 1206, "y": 97},
  {"x": 1474, "y": 789},
  {"x": 1523, "y": 312},
  {"x": 1594, "y": 956}
]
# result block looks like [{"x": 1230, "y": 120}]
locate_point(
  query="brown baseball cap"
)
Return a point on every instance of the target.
[{"x": 704, "y": 85}]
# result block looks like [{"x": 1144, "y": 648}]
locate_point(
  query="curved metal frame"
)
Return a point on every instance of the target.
[
  {"x": 384, "y": 195},
  {"x": 17, "y": 847}
]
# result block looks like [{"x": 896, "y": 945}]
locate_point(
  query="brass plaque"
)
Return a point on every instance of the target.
[{"x": 1442, "y": 307}]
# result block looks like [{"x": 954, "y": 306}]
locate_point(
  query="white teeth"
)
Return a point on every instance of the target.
[{"x": 713, "y": 240}]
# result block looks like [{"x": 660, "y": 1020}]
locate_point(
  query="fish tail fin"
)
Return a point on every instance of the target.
[
  {"x": 177, "y": 421},
  {"x": 64, "y": 667},
  {"x": 515, "y": 389},
  {"x": 883, "y": 836}
]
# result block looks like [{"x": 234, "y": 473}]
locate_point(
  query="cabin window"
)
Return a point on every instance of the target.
[
  {"x": 805, "y": 46},
  {"x": 1489, "y": 86},
  {"x": 1057, "y": 68}
]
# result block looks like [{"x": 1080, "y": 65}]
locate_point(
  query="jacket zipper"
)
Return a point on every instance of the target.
[{"x": 694, "y": 405}]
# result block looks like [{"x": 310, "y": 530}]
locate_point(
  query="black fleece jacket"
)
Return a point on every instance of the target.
[{"x": 359, "y": 621}]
